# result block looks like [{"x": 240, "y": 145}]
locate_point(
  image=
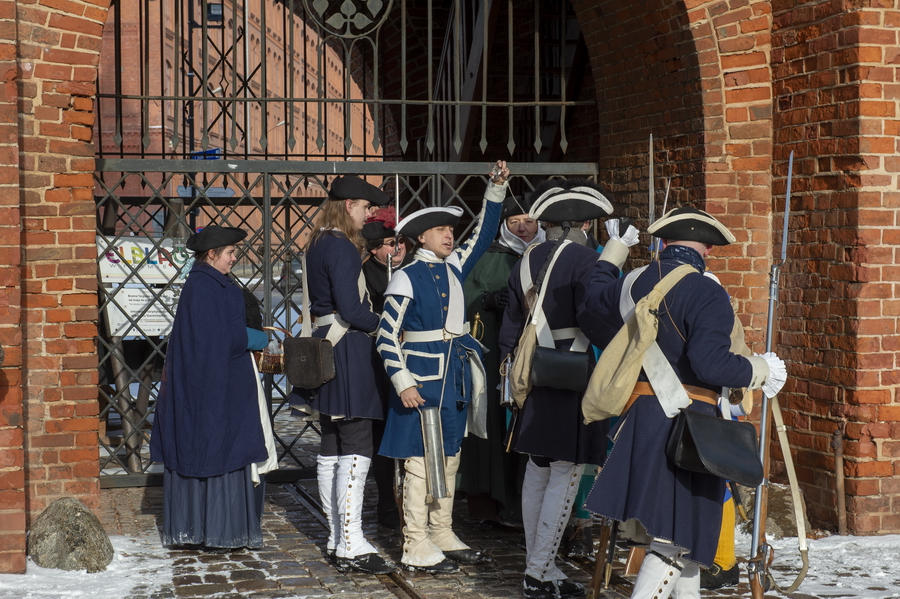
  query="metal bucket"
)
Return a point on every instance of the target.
[{"x": 433, "y": 439}]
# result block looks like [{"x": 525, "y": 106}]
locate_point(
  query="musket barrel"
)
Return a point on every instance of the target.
[{"x": 756, "y": 568}]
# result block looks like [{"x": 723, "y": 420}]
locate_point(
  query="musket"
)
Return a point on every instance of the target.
[
  {"x": 651, "y": 205},
  {"x": 392, "y": 255},
  {"x": 599, "y": 579},
  {"x": 398, "y": 470},
  {"x": 656, "y": 244},
  {"x": 761, "y": 552}
]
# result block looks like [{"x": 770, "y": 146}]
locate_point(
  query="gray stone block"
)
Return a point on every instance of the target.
[{"x": 68, "y": 536}]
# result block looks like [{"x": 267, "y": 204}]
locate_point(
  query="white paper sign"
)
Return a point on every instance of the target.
[{"x": 129, "y": 302}]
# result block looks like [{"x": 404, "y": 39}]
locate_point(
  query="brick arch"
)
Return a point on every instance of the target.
[
  {"x": 696, "y": 75},
  {"x": 48, "y": 301}
]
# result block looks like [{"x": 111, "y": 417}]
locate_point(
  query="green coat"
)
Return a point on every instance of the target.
[{"x": 485, "y": 466}]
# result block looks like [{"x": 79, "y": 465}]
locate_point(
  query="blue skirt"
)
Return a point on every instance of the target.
[
  {"x": 217, "y": 511},
  {"x": 638, "y": 482}
]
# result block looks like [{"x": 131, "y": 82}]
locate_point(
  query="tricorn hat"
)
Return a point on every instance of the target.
[
  {"x": 214, "y": 236},
  {"x": 349, "y": 187},
  {"x": 690, "y": 224},
  {"x": 560, "y": 201},
  {"x": 380, "y": 225},
  {"x": 420, "y": 221}
]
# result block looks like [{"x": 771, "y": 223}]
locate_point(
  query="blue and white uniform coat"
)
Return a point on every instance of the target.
[{"x": 427, "y": 296}]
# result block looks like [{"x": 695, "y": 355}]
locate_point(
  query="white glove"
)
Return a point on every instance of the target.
[
  {"x": 777, "y": 374},
  {"x": 630, "y": 237}
]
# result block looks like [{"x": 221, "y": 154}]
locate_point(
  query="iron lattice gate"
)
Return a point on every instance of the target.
[{"x": 140, "y": 249}]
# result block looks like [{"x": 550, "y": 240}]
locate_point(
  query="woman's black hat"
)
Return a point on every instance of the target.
[
  {"x": 349, "y": 187},
  {"x": 380, "y": 225},
  {"x": 690, "y": 224},
  {"x": 376, "y": 230},
  {"x": 214, "y": 236},
  {"x": 573, "y": 201}
]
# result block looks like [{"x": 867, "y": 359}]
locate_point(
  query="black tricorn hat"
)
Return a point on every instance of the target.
[
  {"x": 214, "y": 236},
  {"x": 427, "y": 218},
  {"x": 690, "y": 224},
  {"x": 572, "y": 201},
  {"x": 349, "y": 187}
]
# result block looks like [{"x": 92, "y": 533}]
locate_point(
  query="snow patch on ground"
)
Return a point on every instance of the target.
[
  {"x": 839, "y": 567},
  {"x": 853, "y": 567},
  {"x": 140, "y": 567}
]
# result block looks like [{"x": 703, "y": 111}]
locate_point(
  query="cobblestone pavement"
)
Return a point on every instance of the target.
[{"x": 291, "y": 564}]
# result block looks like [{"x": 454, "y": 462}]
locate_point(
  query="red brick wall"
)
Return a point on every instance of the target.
[
  {"x": 50, "y": 300},
  {"x": 12, "y": 449},
  {"x": 836, "y": 93}
]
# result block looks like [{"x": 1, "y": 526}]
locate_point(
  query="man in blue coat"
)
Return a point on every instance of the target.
[
  {"x": 549, "y": 427},
  {"x": 679, "y": 510},
  {"x": 437, "y": 364}
]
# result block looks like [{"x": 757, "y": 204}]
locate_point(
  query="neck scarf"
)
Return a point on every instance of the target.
[
  {"x": 685, "y": 255},
  {"x": 517, "y": 244}
]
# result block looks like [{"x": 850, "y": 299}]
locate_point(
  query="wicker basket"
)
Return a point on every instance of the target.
[{"x": 269, "y": 362}]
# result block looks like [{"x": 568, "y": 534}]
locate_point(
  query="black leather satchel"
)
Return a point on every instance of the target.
[
  {"x": 726, "y": 448},
  {"x": 308, "y": 361},
  {"x": 560, "y": 369}
]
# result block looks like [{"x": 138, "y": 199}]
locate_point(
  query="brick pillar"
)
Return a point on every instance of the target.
[
  {"x": 836, "y": 90},
  {"x": 49, "y": 296},
  {"x": 12, "y": 449}
]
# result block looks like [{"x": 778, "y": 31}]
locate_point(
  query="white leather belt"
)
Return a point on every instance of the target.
[
  {"x": 562, "y": 334},
  {"x": 433, "y": 335},
  {"x": 323, "y": 321}
]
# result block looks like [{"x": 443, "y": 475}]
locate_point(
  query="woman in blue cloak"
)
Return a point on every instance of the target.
[{"x": 209, "y": 430}]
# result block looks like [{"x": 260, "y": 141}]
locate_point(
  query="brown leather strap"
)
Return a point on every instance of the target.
[{"x": 698, "y": 393}]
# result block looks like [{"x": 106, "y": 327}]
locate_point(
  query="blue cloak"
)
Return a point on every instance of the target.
[{"x": 207, "y": 412}]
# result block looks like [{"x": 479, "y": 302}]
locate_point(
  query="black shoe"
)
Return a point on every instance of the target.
[
  {"x": 444, "y": 566},
  {"x": 716, "y": 578},
  {"x": 370, "y": 563},
  {"x": 579, "y": 543},
  {"x": 330, "y": 556},
  {"x": 467, "y": 556},
  {"x": 217, "y": 550},
  {"x": 567, "y": 588},
  {"x": 389, "y": 517},
  {"x": 551, "y": 589}
]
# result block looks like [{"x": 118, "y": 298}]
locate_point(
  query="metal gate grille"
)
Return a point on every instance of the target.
[
  {"x": 140, "y": 243},
  {"x": 361, "y": 79}
]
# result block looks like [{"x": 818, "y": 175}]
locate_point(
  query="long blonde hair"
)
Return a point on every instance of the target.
[{"x": 334, "y": 215}]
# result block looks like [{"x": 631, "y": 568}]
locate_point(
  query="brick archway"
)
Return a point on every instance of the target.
[{"x": 697, "y": 77}]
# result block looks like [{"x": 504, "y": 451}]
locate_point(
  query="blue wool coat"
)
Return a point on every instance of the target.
[
  {"x": 550, "y": 423},
  {"x": 333, "y": 268},
  {"x": 207, "y": 414},
  {"x": 638, "y": 482},
  {"x": 436, "y": 367}
]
